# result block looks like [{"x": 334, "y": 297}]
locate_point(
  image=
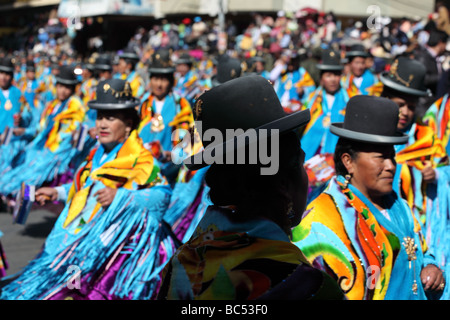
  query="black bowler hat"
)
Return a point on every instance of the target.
[
  {"x": 161, "y": 62},
  {"x": 357, "y": 50},
  {"x": 103, "y": 63},
  {"x": 7, "y": 65},
  {"x": 370, "y": 119},
  {"x": 228, "y": 68},
  {"x": 185, "y": 58},
  {"x": 129, "y": 54},
  {"x": 244, "y": 103},
  {"x": 114, "y": 94},
  {"x": 407, "y": 76},
  {"x": 67, "y": 76},
  {"x": 330, "y": 61},
  {"x": 30, "y": 66}
]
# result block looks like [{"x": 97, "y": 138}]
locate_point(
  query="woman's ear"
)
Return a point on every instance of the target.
[{"x": 348, "y": 162}]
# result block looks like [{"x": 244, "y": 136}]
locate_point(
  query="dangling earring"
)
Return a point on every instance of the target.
[{"x": 347, "y": 180}]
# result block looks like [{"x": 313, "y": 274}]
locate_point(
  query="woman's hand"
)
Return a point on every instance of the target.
[
  {"x": 18, "y": 131},
  {"x": 105, "y": 196},
  {"x": 432, "y": 278},
  {"x": 45, "y": 194},
  {"x": 93, "y": 133},
  {"x": 428, "y": 174}
]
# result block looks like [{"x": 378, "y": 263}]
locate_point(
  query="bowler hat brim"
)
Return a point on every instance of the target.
[
  {"x": 94, "y": 104},
  {"x": 103, "y": 67},
  {"x": 352, "y": 54},
  {"x": 396, "y": 86},
  {"x": 66, "y": 81},
  {"x": 329, "y": 67},
  {"x": 285, "y": 124},
  {"x": 161, "y": 70},
  {"x": 337, "y": 129},
  {"x": 6, "y": 69}
]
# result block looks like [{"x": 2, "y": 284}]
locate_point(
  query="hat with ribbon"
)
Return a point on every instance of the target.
[
  {"x": 245, "y": 103},
  {"x": 330, "y": 61},
  {"x": 407, "y": 76},
  {"x": 7, "y": 65},
  {"x": 114, "y": 94},
  {"x": 103, "y": 63},
  {"x": 30, "y": 66},
  {"x": 67, "y": 76},
  {"x": 228, "y": 68},
  {"x": 129, "y": 54},
  {"x": 161, "y": 62},
  {"x": 357, "y": 50},
  {"x": 185, "y": 58},
  {"x": 370, "y": 119}
]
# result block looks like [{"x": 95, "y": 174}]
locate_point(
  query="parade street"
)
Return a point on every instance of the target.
[{"x": 23, "y": 242}]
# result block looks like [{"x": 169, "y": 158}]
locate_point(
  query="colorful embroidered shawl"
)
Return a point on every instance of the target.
[
  {"x": 317, "y": 137},
  {"x": 115, "y": 248},
  {"x": 343, "y": 234},
  {"x": 225, "y": 260},
  {"x": 370, "y": 84},
  {"x": 56, "y": 127},
  {"x": 437, "y": 117},
  {"x": 423, "y": 146},
  {"x": 176, "y": 114}
]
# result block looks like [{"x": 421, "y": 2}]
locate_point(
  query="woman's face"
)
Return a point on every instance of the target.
[
  {"x": 372, "y": 171},
  {"x": 358, "y": 66},
  {"x": 112, "y": 127},
  {"x": 159, "y": 86},
  {"x": 330, "y": 81},
  {"x": 407, "y": 109},
  {"x": 63, "y": 92},
  {"x": 5, "y": 80}
]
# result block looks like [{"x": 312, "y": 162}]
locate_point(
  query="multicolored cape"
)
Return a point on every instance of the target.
[
  {"x": 427, "y": 200},
  {"x": 226, "y": 260},
  {"x": 50, "y": 154},
  {"x": 88, "y": 90},
  {"x": 317, "y": 137},
  {"x": 96, "y": 252},
  {"x": 370, "y": 84},
  {"x": 367, "y": 253},
  {"x": 137, "y": 83},
  {"x": 437, "y": 117},
  {"x": 287, "y": 85}
]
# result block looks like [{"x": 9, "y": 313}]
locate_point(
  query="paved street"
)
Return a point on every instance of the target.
[{"x": 21, "y": 243}]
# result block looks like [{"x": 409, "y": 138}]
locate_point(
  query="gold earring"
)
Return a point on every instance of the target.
[{"x": 347, "y": 180}]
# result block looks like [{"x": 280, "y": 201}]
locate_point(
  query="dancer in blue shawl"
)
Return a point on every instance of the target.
[
  {"x": 187, "y": 81},
  {"x": 360, "y": 79},
  {"x": 422, "y": 163},
  {"x": 9, "y": 95},
  {"x": 49, "y": 155},
  {"x": 127, "y": 71},
  {"x": 359, "y": 230},
  {"x": 109, "y": 230},
  {"x": 159, "y": 110},
  {"x": 19, "y": 113},
  {"x": 292, "y": 83},
  {"x": 327, "y": 104}
]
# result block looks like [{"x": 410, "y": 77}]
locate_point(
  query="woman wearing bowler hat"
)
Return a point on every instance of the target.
[
  {"x": 360, "y": 79},
  {"x": 162, "y": 110},
  {"x": 110, "y": 226},
  {"x": 241, "y": 249},
  {"x": 423, "y": 173},
  {"x": 359, "y": 229},
  {"x": 326, "y": 104},
  {"x": 49, "y": 156}
]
